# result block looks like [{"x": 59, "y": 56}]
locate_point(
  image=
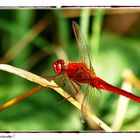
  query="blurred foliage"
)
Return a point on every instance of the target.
[{"x": 115, "y": 51}]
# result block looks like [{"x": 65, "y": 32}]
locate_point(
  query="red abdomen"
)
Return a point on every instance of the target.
[{"x": 101, "y": 84}]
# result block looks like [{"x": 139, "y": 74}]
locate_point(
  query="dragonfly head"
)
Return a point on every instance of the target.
[{"x": 58, "y": 66}]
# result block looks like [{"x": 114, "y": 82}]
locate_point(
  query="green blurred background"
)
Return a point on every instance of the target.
[{"x": 113, "y": 36}]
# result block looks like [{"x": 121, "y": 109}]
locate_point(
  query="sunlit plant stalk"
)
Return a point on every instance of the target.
[
  {"x": 96, "y": 32},
  {"x": 45, "y": 83},
  {"x": 84, "y": 22}
]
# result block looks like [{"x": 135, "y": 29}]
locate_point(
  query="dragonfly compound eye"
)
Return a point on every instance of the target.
[{"x": 58, "y": 66}]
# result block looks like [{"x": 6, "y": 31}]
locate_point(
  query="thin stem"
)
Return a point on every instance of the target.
[
  {"x": 122, "y": 107},
  {"x": 36, "y": 29},
  {"x": 129, "y": 76},
  {"x": 20, "y": 98},
  {"x": 96, "y": 31},
  {"x": 43, "y": 82},
  {"x": 84, "y": 22}
]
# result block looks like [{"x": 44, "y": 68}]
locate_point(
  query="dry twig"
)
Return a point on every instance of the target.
[
  {"x": 36, "y": 29},
  {"x": 121, "y": 108},
  {"x": 43, "y": 82}
]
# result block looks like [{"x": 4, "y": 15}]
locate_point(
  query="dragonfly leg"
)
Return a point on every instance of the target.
[
  {"x": 74, "y": 87},
  {"x": 53, "y": 77},
  {"x": 58, "y": 85}
]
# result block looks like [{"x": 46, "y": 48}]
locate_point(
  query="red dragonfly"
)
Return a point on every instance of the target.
[
  {"x": 78, "y": 72},
  {"x": 81, "y": 72}
]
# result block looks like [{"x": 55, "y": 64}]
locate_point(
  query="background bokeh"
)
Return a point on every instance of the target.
[{"x": 33, "y": 39}]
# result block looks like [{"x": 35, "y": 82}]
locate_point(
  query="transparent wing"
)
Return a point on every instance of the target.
[
  {"x": 92, "y": 99},
  {"x": 82, "y": 46}
]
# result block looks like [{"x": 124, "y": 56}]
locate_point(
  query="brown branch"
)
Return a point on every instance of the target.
[
  {"x": 36, "y": 29},
  {"x": 43, "y": 82},
  {"x": 20, "y": 98}
]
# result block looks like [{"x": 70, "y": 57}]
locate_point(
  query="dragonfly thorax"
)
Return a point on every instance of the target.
[{"x": 78, "y": 72}]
